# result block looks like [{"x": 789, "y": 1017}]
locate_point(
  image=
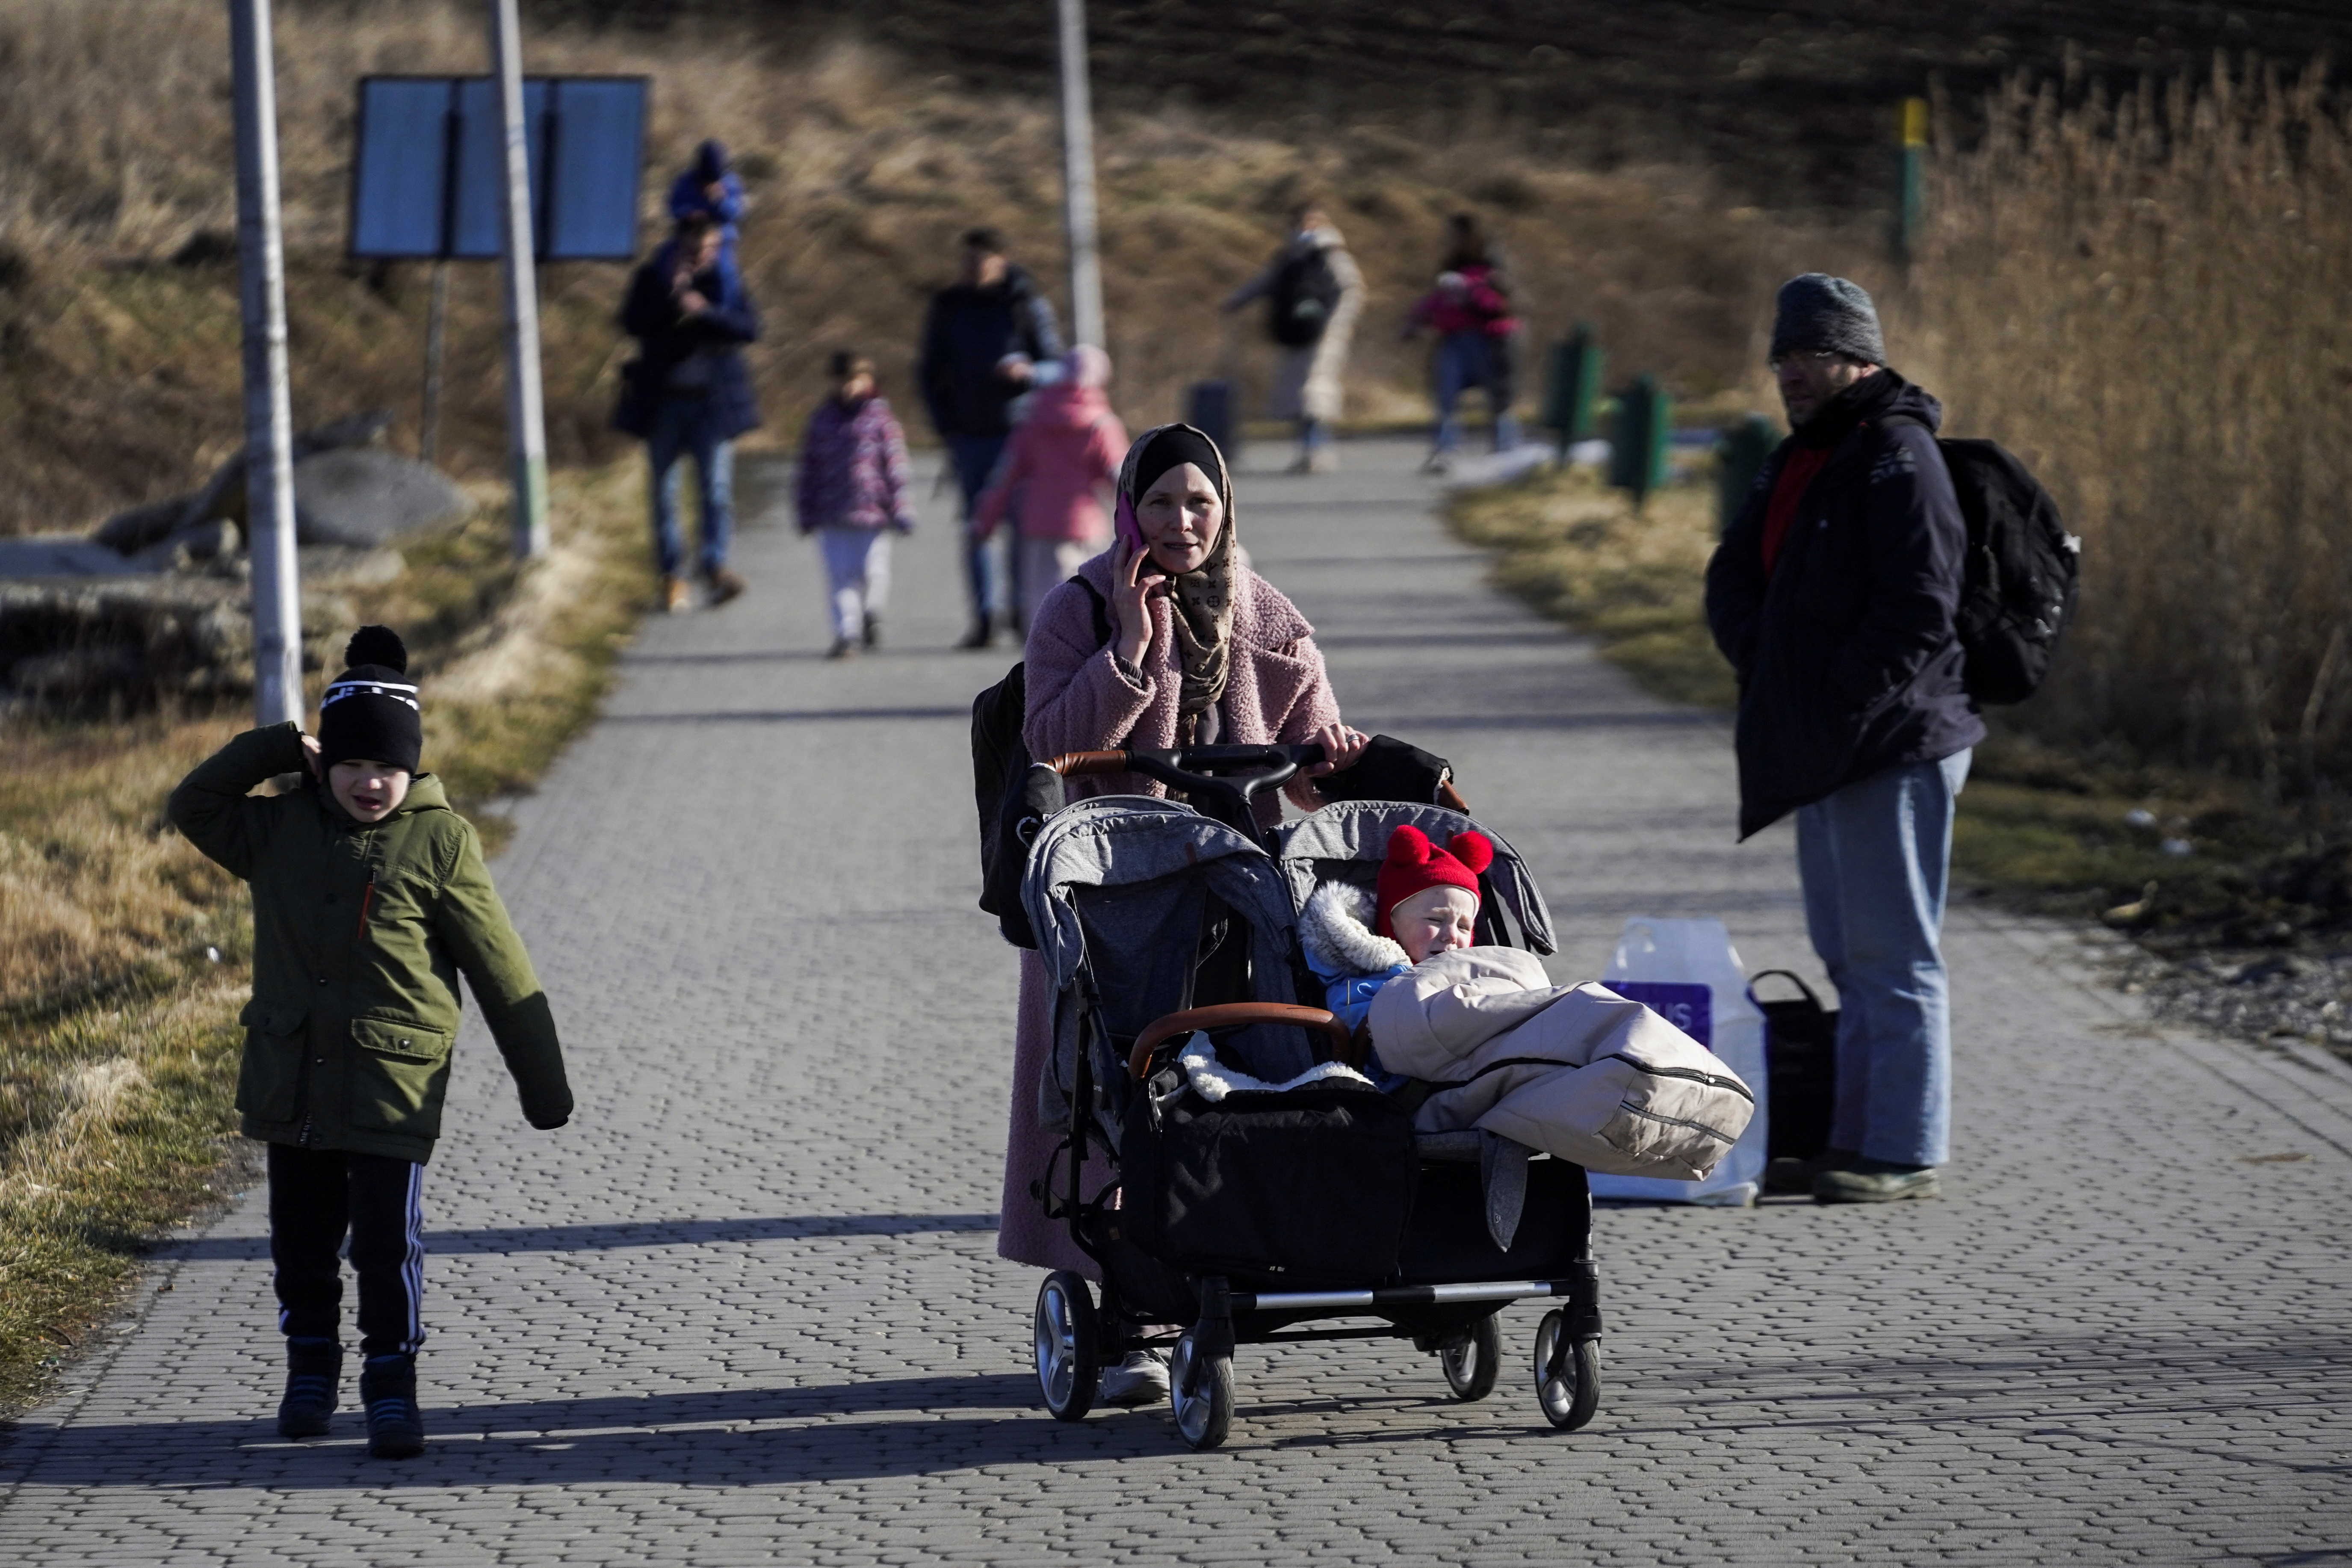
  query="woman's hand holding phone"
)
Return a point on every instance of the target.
[{"x": 1138, "y": 582}]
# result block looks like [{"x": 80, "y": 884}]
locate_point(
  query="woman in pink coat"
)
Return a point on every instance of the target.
[
  {"x": 1065, "y": 450},
  {"x": 1202, "y": 650}
]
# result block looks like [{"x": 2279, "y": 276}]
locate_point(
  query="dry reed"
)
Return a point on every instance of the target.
[{"x": 2145, "y": 298}]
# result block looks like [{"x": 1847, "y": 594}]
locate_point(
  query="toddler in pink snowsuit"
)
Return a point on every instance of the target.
[{"x": 1061, "y": 455}]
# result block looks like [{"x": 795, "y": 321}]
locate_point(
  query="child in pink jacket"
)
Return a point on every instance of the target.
[{"x": 1060, "y": 458}]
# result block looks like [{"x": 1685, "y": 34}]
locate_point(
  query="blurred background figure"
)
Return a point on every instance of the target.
[
  {"x": 709, "y": 186},
  {"x": 1314, "y": 292},
  {"x": 853, "y": 495},
  {"x": 687, "y": 392},
  {"x": 1477, "y": 337},
  {"x": 984, "y": 335},
  {"x": 1059, "y": 465}
]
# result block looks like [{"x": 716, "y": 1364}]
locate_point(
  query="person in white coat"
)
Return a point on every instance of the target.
[{"x": 1314, "y": 292}]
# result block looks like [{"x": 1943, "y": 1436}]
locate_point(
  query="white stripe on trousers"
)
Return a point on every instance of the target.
[{"x": 411, "y": 1263}]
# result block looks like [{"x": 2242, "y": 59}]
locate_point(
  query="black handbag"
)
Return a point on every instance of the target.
[
  {"x": 1310, "y": 1185},
  {"x": 1801, "y": 1069}
]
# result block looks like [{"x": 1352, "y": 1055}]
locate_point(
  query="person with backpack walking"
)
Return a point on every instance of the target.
[
  {"x": 1313, "y": 292},
  {"x": 1834, "y": 594},
  {"x": 985, "y": 337},
  {"x": 1470, "y": 310},
  {"x": 1167, "y": 639}
]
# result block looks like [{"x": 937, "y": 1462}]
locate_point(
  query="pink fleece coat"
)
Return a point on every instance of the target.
[
  {"x": 1066, "y": 449},
  {"x": 1078, "y": 702}
]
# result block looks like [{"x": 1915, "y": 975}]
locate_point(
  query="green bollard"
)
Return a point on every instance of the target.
[
  {"x": 1747, "y": 448},
  {"x": 1911, "y": 205},
  {"x": 1646, "y": 422},
  {"x": 1573, "y": 387}
]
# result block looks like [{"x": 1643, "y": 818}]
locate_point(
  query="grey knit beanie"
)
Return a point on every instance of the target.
[{"x": 1819, "y": 312}]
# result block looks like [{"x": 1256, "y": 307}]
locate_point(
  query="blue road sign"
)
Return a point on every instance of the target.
[{"x": 426, "y": 177}]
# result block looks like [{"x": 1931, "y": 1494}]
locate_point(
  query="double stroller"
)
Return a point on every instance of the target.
[{"x": 1169, "y": 928}]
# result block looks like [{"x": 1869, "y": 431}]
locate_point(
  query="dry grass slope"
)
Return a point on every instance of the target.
[{"x": 118, "y": 362}]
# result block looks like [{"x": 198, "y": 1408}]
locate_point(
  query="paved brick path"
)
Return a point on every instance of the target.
[{"x": 748, "y": 1310}]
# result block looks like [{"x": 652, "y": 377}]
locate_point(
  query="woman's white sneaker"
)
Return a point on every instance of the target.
[{"x": 1140, "y": 1379}]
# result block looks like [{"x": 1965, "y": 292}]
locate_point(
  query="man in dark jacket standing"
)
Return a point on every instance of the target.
[
  {"x": 986, "y": 333},
  {"x": 1832, "y": 595},
  {"x": 688, "y": 392}
]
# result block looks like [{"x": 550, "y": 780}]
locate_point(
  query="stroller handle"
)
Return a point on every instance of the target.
[
  {"x": 1278, "y": 763},
  {"x": 1082, "y": 764},
  {"x": 1227, "y": 1015}
]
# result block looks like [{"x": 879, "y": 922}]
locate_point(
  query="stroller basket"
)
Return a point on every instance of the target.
[{"x": 1162, "y": 921}]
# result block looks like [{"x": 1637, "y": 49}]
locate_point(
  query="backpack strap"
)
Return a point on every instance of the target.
[{"x": 1101, "y": 608}]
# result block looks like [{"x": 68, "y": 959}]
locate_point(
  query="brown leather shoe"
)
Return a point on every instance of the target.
[{"x": 725, "y": 583}]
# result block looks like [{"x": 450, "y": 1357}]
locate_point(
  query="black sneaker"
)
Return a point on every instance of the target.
[
  {"x": 873, "y": 637},
  {"x": 314, "y": 1374},
  {"x": 388, "y": 1393},
  {"x": 1786, "y": 1175},
  {"x": 983, "y": 634}
]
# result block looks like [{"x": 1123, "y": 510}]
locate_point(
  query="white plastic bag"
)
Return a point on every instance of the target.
[{"x": 1686, "y": 972}]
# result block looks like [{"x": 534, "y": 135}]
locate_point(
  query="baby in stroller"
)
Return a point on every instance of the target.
[
  {"x": 1356, "y": 940},
  {"x": 1467, "y": 1037}
]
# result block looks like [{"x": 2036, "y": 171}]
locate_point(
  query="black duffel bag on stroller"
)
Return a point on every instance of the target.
[{"x": 1313, "y": 1184}]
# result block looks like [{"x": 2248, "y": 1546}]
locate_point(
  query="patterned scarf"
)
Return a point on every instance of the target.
[{"x": 1204, "y": 596}]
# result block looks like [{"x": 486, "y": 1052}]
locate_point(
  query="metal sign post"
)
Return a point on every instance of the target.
[
  {"x": 269, "y": 416},
  {"x": 1078, "y": 179},
  {"x": 526, "y": 414}
]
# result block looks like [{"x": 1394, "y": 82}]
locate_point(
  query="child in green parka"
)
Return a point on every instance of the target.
[{"x": 369, "y": 898}]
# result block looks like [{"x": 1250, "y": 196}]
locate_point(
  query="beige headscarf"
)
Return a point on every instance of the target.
[{"x": 1204, "y": 595}]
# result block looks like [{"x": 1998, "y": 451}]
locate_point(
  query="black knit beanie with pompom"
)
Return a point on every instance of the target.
[{"x": 370, "y": 711}]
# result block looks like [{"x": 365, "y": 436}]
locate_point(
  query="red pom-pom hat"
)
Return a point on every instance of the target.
[{"x": 1414, "y": 864}]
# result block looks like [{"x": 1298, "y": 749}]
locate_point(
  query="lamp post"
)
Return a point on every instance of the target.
[
  {"x": 269, "y": 415},
  {"x": 526, "y": 412},
  {"x": 1078, "y": 179}
]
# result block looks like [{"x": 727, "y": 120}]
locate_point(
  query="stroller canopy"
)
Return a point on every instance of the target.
[{"x": 1136, "y": 891}]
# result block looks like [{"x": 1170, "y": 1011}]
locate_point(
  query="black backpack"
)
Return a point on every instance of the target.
[
  {"x": 1305, "y": 293},
  {"x": 1015, "y": 793},
  {"x": 2023, "y": 572}
]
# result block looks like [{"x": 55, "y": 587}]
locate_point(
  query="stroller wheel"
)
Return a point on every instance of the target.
[
  {"x": 1568, "y": 1375},
  {"x": 1201, "y": 1393},
  {"x": 1472, "y": 1366},
  {"x": 1069, "y": 1350}
]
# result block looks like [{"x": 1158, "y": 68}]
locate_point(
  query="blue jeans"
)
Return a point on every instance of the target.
[
  {"x": 974, "y": 458},
  {"x": 1874, "y": 858},
  {"x": 1467, "y": 359},
  {"x": 685, "y": 426}
]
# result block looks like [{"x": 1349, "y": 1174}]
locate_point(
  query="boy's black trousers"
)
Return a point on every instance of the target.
[{"x": 316, "y": 1197}]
